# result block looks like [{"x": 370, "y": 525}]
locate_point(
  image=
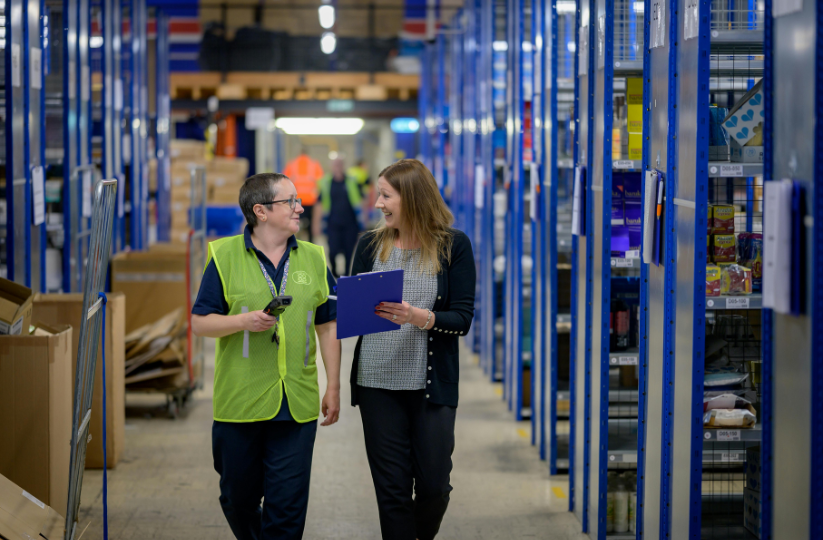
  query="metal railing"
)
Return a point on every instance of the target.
[{"x": 738, "y": 15}]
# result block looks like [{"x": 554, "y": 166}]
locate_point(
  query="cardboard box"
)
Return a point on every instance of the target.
[
  {"x": 234, "y": 167},
  {"x": 721, "y": 219},
  {"x": 24, "y": 517},
  {"x": 746, "y": 117},
  {"x": 751, "y": 511},
  {"x": 36, "y": 396},
  {"x": 179, "y": 235},
  {"x": 187, "y": 149},
  {"x": 15, "y": 308},
  {"x": 154, "y": 282},
  {"x": 745, "y": 154},
  {"x": 225, "y": 194},
  {"x": 723, "y": 248},
  {"x": 712, "y": 280},
  {"x": 634, "y": 104},
  {"x": 152, "y": 175},
  {"x": 66, "y": 309},
  {"x": 636, "y": 146},
  {"x": 753, "y": 468}
]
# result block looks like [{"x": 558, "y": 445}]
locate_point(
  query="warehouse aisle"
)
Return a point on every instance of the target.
[{"x": 165, "y": 487}]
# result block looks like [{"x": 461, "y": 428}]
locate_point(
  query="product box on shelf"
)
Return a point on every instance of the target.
[
  {"x": 723, "y": 248},
  {"x": 712, "y": 280},
  {"x": 634, "y": 102},
  {"x": 735, "y": 279},
  {"x": 750, "y": 255},
  {"x": 746, "y": 116},
  {"x": 15, "y": 308},
  {"x": 618, "y": 215},
  {"x": 753, "y": 468},
  {"x": 620, "y": 241},
  {"x": 745, "y": 154},
  {"x": 721, "y": 219},
  {"x": 632, "y": 186},
  {"x": 634, "y": 224},
  {"x": 636, "y": 146},
  {"x": 751, "y": 511}
]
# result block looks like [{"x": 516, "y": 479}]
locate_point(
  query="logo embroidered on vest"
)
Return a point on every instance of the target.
[{"x": 302, "y": 278}]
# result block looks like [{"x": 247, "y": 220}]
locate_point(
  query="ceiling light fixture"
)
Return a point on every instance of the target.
[
  {"x": 328, "y": 42},
  {"x": 320, "y": 126}
]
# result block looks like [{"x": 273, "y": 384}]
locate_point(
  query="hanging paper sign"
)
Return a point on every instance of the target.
[
  {"x": 15, "y": 65},
  {"x": 658, "y": 24},
  {"x": 36, "y": 68},
  {"x": 87, "y": 194}
]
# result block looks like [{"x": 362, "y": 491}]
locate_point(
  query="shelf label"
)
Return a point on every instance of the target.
[
  {"x": 736, "y": 302},
  {"x": 692, "y": 22},
  {"x": 601, "y": 42},
  {"x": 730, "y": 456},
  {"x": 36, "y": 68},
  {"x": 38, "y": 195},
  {"x": 624, "y": 360},
  {"x": 623, "y": 164},
  {"x": 622, "y": 263},
  {"x": 633, "y": 254},
  {"x": 731, "y": 171},
  {"x": 728, "y": 435},
  {"x": 658, "y": 23},
  {"x": 583, "y": 51},
  {"x": 15, "y": 65},
  {"x": 479, "y": 186}
]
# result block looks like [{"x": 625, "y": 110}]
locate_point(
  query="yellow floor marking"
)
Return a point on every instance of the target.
[
  {"x": 498, "y": 391},
  {"x": 523, "y": 433},
  {"x": 558, "y": 492}
]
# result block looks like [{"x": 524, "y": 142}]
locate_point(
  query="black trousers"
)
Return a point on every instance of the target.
[
  {"x": 409, "y": 443},
  {"x": 308, "y": 212},
  {"x": 268, "y": 460},
  {"x": 342, "y": 240}
]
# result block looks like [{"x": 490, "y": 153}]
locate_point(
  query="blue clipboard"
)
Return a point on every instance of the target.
[{"x": 357, "y": 297}]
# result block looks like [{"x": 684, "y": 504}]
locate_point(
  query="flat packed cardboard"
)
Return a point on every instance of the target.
[
  {"x": 153, "y": 281},
  {"x": 60, "y": 309},
  {"x": 23, "y": 516},
  {"x": 753, "y": 468},
  {"x": 15, "y": 308},
  {"x": 36, "y": 396}
]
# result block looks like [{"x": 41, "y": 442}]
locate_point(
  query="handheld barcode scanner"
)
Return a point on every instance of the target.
[{"x": 277, "y": 305}]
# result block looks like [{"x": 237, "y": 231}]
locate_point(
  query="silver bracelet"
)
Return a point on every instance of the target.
[{"x": 428, "y": 320}]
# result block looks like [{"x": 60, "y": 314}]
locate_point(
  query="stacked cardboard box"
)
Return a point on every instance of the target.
[
  {"x": 24, "y": 516},
  {"x": 36, "y": 395},
  {"x": 634, "y": 101},
  {"x": 67, "y": 309}
]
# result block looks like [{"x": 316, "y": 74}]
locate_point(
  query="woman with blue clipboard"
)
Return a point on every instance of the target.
[{"x": 405, "y": 381}]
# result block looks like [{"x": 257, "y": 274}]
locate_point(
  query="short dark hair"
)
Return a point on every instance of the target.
[{"x": 258, "y": 189}]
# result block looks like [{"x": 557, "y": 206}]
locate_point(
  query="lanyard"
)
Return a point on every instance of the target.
[{"x": 269, "y": 281}]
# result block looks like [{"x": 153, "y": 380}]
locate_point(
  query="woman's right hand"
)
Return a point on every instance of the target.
[{"x": 256, "y": 321}]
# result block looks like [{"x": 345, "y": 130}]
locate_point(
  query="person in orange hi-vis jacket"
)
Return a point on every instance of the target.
[{"x": 305, "y": 172}]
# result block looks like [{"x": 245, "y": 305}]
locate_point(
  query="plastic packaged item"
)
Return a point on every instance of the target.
[
  {"x": 619, "y": 325},
  {"x": 721, "y": 219},
  {"x": 621, "y": 507},
  {"x": 750, "y": 255},
  {"x": 735, "y": 280},
  {"x": 633, "y": 511},
  {"x": 725, "y": 401},
  {"x": 610, "y": 487},
  {"x": 712, "y": 280},
  {"x": 723, "y": 378},
  {"x": 723, "y": 248},
  {"x": 723, "y": 418}
]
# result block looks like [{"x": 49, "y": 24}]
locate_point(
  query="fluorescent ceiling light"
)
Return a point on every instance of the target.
[
  {"x": 328, "y": 42},
  {"x": 320, "y": 126},
  {"x": 500, "y": 46},
  {"x": 95, "y": 42},
  {"x": 566, "y": 8},
  {"x": 326, "y": 14},
  {"x": 639, "y": 7}
]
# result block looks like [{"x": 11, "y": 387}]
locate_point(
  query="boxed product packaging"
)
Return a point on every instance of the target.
[
  {"x": 620, "y": 241},
  {"x": 723, "y": 248},
  {"x": 751, "y": 511},
  {"x": 712, "y": 280},
  {"x": 187, "y": 149},
  {"x": 745, "y": 154},
  {"x": 618, "y": 215},
  {"x": 750, "y": 255},
  {"x": 23, "y": 516},
  {"x": 15, "y": 308},
  {"x": 634, "y": 224},
  {"x": 66, "y": 309},
  {"x": 636, "y": 146},
  {"x": 721, "y": 218},
  {"x": 36, "y": 412},
  {"x": 632, "y": 186},
  {"x": 753, "y": 468},
  {"x": 735, "y": 279},
  {"x": 745, "y": 116},
  {"x": 634, "y": 102}
]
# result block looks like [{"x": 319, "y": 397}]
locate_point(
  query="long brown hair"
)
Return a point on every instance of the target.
[{"x": 424, "y": 211}]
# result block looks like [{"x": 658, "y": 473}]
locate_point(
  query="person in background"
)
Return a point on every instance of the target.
[
  {"x": 266, "y": 394},
  {"x": 305, "y": 172},
  {"x": 405, "y": 381},
  {"x": 340, "y": 195},
  {"x": 360, "y": 172}
]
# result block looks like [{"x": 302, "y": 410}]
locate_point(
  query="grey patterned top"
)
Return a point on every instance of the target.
[{"x": 397, "y": 360}]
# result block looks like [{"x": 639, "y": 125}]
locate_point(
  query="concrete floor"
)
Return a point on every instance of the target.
[{"x": 165, "y": 486}]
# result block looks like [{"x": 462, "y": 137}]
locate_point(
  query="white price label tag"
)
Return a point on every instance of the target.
[
  {"x": 36, "y": 68},
  {"x": 15, "y": 65},
  {"x": 624, "y": 360},
  {"x": 730, "y": 456},
  {"x": 692, "y": 21},
  {"x": 38, "y": 196},
  {"x": 622, "y": 263},
  {"x": 479, "y": 186},
  {"x": 728, "y": 434},
  {"x": 731, "y": 171},
  {"x": 118, "y": 94},
  {"x": 601, "y": 42},
  {"x": 85, "y": 83},
  {"x": 633, "y": 254},
  {"x": 737, "y": 302},
  {"x": 87, "y": 194},
  {"x": 658, "y": 23},
  {"x": 623, "y": 164}
]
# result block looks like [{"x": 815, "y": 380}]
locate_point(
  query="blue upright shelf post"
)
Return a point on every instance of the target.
[
  {"x": 162, "y": 135},
  {"x": 34, "y": 151},
  {"x": 579, "y": 467},
  {"x": 441, "y": 115},
  {"x": 486, "y": 178},
  {"x": 109, "y": 114},
  {"x": 18, "y": 240},
  {"x": 116, "y": 23},
  {"x": 452, "y": 155},
  {"x": 71, "y": 181},
  {"x": 85, "y": 166},
  {"x": 425, "y": 103}
]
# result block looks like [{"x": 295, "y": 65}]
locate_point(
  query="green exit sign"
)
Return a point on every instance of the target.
[{"x": 340, "y": 105}]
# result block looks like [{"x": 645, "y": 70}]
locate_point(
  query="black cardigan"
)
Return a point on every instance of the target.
[{"x": 453, "y": 314}]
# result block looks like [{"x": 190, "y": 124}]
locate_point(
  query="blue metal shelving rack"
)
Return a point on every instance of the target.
[{"x": 162, "y": 127}]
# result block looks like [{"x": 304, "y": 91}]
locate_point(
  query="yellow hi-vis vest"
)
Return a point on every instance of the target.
[{"x": 249, "y": 379}]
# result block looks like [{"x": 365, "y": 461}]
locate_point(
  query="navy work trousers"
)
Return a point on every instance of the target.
[{"x": 269, "y": 461}]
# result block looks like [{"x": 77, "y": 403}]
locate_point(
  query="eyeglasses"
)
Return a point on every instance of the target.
[{"x": 293, "y": 201}]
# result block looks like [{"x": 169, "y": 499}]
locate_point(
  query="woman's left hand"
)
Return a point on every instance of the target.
[{"x": 399, "y": 314}]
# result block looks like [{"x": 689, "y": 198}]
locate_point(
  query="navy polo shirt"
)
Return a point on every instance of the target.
[{"x": 210, "y": 297}]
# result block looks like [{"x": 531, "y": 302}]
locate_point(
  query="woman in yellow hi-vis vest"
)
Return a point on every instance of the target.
[{"x": 266, "y": 396}]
